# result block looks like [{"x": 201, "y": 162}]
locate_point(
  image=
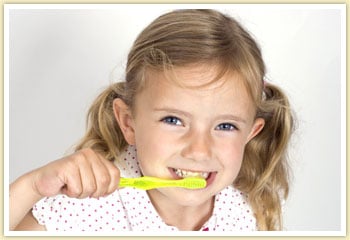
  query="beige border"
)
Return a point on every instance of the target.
[{"x": 140, "y": 1}]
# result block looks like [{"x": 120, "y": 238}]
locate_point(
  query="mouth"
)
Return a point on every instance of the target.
[{"x": 181, "y": 173}]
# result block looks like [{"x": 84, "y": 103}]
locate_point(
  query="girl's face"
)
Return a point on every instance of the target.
[{"x": 192, "y": 131}]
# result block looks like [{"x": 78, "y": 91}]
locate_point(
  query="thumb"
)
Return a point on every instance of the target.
[{"x": 47, "y": 185}]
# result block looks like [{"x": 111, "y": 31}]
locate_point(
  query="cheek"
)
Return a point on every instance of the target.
[
  {"x": 232, "y": 155},
  {"x": 153, "y": 149},
  {"x": 151, "y": 142}
]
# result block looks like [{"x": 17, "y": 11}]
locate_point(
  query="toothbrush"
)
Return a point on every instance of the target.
[{"x": 146, "y": 183}]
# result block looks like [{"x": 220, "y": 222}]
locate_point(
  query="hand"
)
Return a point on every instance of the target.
[{"x": 80, "y": 175}]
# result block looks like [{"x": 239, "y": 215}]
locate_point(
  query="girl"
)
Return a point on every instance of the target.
[{"x": 194, "y": 103}]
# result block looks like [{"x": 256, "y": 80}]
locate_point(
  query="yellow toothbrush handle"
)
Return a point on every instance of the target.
[{"x": 146, "y": 183}]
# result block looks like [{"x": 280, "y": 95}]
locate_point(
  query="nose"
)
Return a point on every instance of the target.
[{"x": 198, "y": 146}]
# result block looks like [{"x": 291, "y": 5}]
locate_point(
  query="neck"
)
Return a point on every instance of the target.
[{"x": 185, "y": 218}]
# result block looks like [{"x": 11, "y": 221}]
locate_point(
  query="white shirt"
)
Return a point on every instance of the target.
[{"x": 130, "y": 209}]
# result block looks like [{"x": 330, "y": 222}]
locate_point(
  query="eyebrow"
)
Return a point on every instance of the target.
[
  {"x": 187, "y": 114},
  {"x": 172, "y": 110},
  {"x": 232, "y": 117}
]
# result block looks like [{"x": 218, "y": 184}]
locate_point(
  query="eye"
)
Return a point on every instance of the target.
[
  {"x": 226, "y": 127},
  {"x": 172, "y": 121}
]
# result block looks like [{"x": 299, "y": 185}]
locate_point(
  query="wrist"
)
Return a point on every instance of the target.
[{"x": 24, "y": 188}]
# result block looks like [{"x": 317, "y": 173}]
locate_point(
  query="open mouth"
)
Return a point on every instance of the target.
[{"x": 181, "y": 173}]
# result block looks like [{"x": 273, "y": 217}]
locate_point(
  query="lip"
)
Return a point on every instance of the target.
[{"x": 210, "y": 179}]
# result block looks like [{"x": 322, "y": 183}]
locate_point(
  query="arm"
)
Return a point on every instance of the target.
[
  {"x": 80, "y": 175},
  {"x": 29, "y": 223},
  {"x": 22, "y": 198}
]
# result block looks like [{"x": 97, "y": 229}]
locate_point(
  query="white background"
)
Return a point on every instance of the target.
[{"x": 60, "y": 59}]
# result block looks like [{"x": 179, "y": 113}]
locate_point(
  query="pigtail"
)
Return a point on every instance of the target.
[
  {"x": 103, "y": 132},
  {"x": 264, "y": 172}
]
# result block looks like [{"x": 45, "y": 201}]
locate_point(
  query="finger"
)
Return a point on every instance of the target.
[
  {"x": 114, "y": 174},
  {"x": 102, "y": 176},
  {"x": 78, "y": 175},
  {"x": 73, "y": 187},
  {"x": 88, "y": 179}
]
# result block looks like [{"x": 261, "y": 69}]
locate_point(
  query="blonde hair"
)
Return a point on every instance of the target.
[{"x": 184, "y": 37}]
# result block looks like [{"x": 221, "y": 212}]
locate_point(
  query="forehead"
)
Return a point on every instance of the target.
[
  {"x": 203, "y": 85},
  {"x": 201, "y": 77}
]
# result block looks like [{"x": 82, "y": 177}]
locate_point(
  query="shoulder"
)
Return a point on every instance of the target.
[
  {"x": 127, "y": 163},
  {"x": 233, "y": 211}
]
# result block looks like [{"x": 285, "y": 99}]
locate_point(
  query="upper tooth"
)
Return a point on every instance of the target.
[
  {"x": 185, "y": 174},
  {"x": 205, "y": 175}
]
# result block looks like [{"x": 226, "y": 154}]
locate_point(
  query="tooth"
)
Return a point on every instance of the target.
[
  {"x": 205, "y": 175},
  {"x": 194, "y": 174},
  {"x": 179, "y": 173},
  {"x": 184, "y": 174}
]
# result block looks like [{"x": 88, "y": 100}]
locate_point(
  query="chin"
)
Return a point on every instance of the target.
[{"x": 188, "y": 198}]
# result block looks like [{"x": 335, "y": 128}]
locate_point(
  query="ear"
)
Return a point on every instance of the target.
[
  {"x": 123, "y": 115},
  {"x": 258, "y": 125}
]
